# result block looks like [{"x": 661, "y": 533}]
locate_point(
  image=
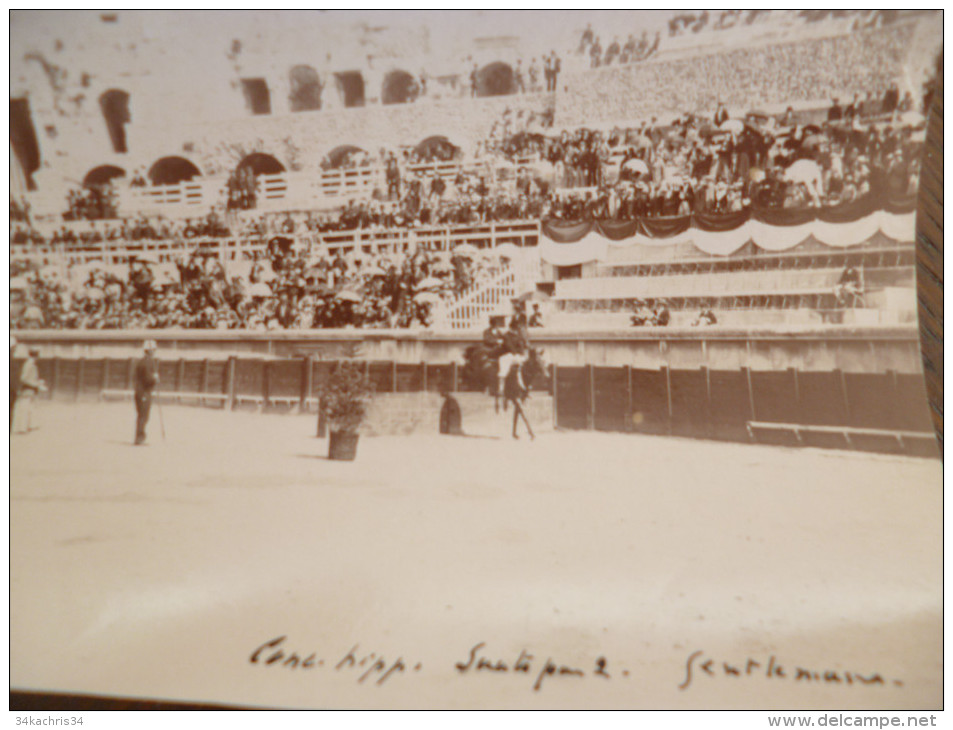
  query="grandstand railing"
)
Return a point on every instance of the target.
[
  {"x": 472, "y": 308},
  {"x": 738, "y": 284},
  {"x": 367, "y": 240},
  {"x": 328, "y": 188}
]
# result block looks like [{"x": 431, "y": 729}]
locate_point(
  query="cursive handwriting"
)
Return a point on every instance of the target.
[
  {"x": 524, "y": 664},
  {"x": 698, "y": 664},
  {"x": 361, "y": 665},
  {"x": 376, "y": 668}
]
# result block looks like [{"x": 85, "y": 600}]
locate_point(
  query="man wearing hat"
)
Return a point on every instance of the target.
[
  {"x": 29, "y": 385},
  {"x": 146, "y": 378}
]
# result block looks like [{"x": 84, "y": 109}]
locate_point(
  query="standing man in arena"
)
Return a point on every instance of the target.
[
  {"x": 29, "y": 386},
  {"x": 14, "y": 378},
  {"x": 146, "y": 378}
]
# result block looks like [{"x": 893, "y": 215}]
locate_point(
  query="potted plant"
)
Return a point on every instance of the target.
[{"x": 343, "y": 402}]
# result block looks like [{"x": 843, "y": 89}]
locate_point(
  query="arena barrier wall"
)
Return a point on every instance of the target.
[
  {"x": 851, "y": 348},
  {"x": 878, "y": 411}
]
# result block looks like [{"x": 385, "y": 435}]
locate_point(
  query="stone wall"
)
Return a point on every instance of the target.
[{"x": 300, "y": 141}]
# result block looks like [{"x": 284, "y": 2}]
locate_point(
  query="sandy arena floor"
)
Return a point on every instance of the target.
[{"x": 159, "y": 571}]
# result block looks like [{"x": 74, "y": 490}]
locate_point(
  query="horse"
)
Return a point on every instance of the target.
[{"x": 481, "y": 371}]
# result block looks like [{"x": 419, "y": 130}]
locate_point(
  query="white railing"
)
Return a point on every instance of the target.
[
  {"x": 282, "y": 191},
  {"x": 193, "y": 198},
  {"x": 741, "y": 283},
  {"x": 472, "y": 308},
  {"x": 371, "y": 240}
]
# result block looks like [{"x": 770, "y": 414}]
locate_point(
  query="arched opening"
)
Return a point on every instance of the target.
[
  {"x": 257, "y": 96},
  {"x": 399, "y": 87},
  {"x": 344, "y": 156},
  {"x": 350, "y": 85},
  {"x": 23, "y": 140},
  {"x": 260, "y": 163},
  {"x": 115, "y": 108},
  {"x": 243, "y": 183},
  {"x": 495, "y": 79},
  {"x": 172, "y": 171},
  {"x": 437, "y": 148},
  {"x": 305, "y": 89},
  {"x": 97, "y": 200},
  {"x": 102, "y": 175}
]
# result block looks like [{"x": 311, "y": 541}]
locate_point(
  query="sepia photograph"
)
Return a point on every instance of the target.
[{"x": 472, "y": 360}]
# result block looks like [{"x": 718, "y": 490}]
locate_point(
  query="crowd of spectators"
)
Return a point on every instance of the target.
[
  {"x": 694, "y": 164},
  {"x": 94, "y": 202},
  {"x": 280, "y": 288},
  {"x": 774, "y": 74},
  {"x": 616, "y": 53},
  {"x": 691, "y": 23},
  {"x": 691, "y": 166},
  {"x": 243, "y": 189}
]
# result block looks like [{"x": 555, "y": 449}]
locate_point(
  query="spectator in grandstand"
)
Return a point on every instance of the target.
[
  {"x": 721, "y": 114},
  {"x": 705, "y": 318},
  {"x": 849, "y": 286},
  {"x": 595, "y": 54},
  {"x": 586, "y": 39},
  {"x": 629, "y": 49},
  {"x": 552, "y": 66},
  {"x": 533, "y": 73},
  {"x": 519, "y": 82},
  {"x": 138, "y": 179},
  {"x": 835, "y": 113},
  {"x": 536, "y": 318},
  {"x": 474, "y": 80},
  {"x": 641, "y": 314}
]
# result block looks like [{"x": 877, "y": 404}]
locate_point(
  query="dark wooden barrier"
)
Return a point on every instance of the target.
[
  {"x": 721, "y": 404},
  {"x": 700, "y": 403}
]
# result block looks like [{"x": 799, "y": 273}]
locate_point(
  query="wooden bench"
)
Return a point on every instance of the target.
[{"x": 846, "y": 431}]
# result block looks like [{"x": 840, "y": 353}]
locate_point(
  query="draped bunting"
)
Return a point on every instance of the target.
[
  {"x": 565, "y": 232},
  {"x": 593, "y": 246},
  {"x": 777, "y": 218},
  {"x": 617, "y": 230}
]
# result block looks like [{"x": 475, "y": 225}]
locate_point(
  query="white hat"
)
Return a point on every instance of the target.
[{"x": 149, "y": 345}]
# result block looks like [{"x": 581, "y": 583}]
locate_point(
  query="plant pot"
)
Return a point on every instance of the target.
[{"x": 342, "y": 445}]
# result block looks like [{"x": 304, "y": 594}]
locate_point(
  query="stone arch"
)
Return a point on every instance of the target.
[
  {"x": 496, "y": 79},
  {"x": 172, "y": 170},
  {"x": 260, "y": 163},
  {"x": 114, "y": 104},
  {"x": 306, "y": 88},
  {"x": 439, "y": 146},
  {"x": 102, "y": 175},
  {"x": 336, "y": 157},
  {"x": 399, "y": 87}
]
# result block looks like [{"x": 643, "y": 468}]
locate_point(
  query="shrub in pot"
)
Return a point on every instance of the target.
[{"x": 343, "y": 403}]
